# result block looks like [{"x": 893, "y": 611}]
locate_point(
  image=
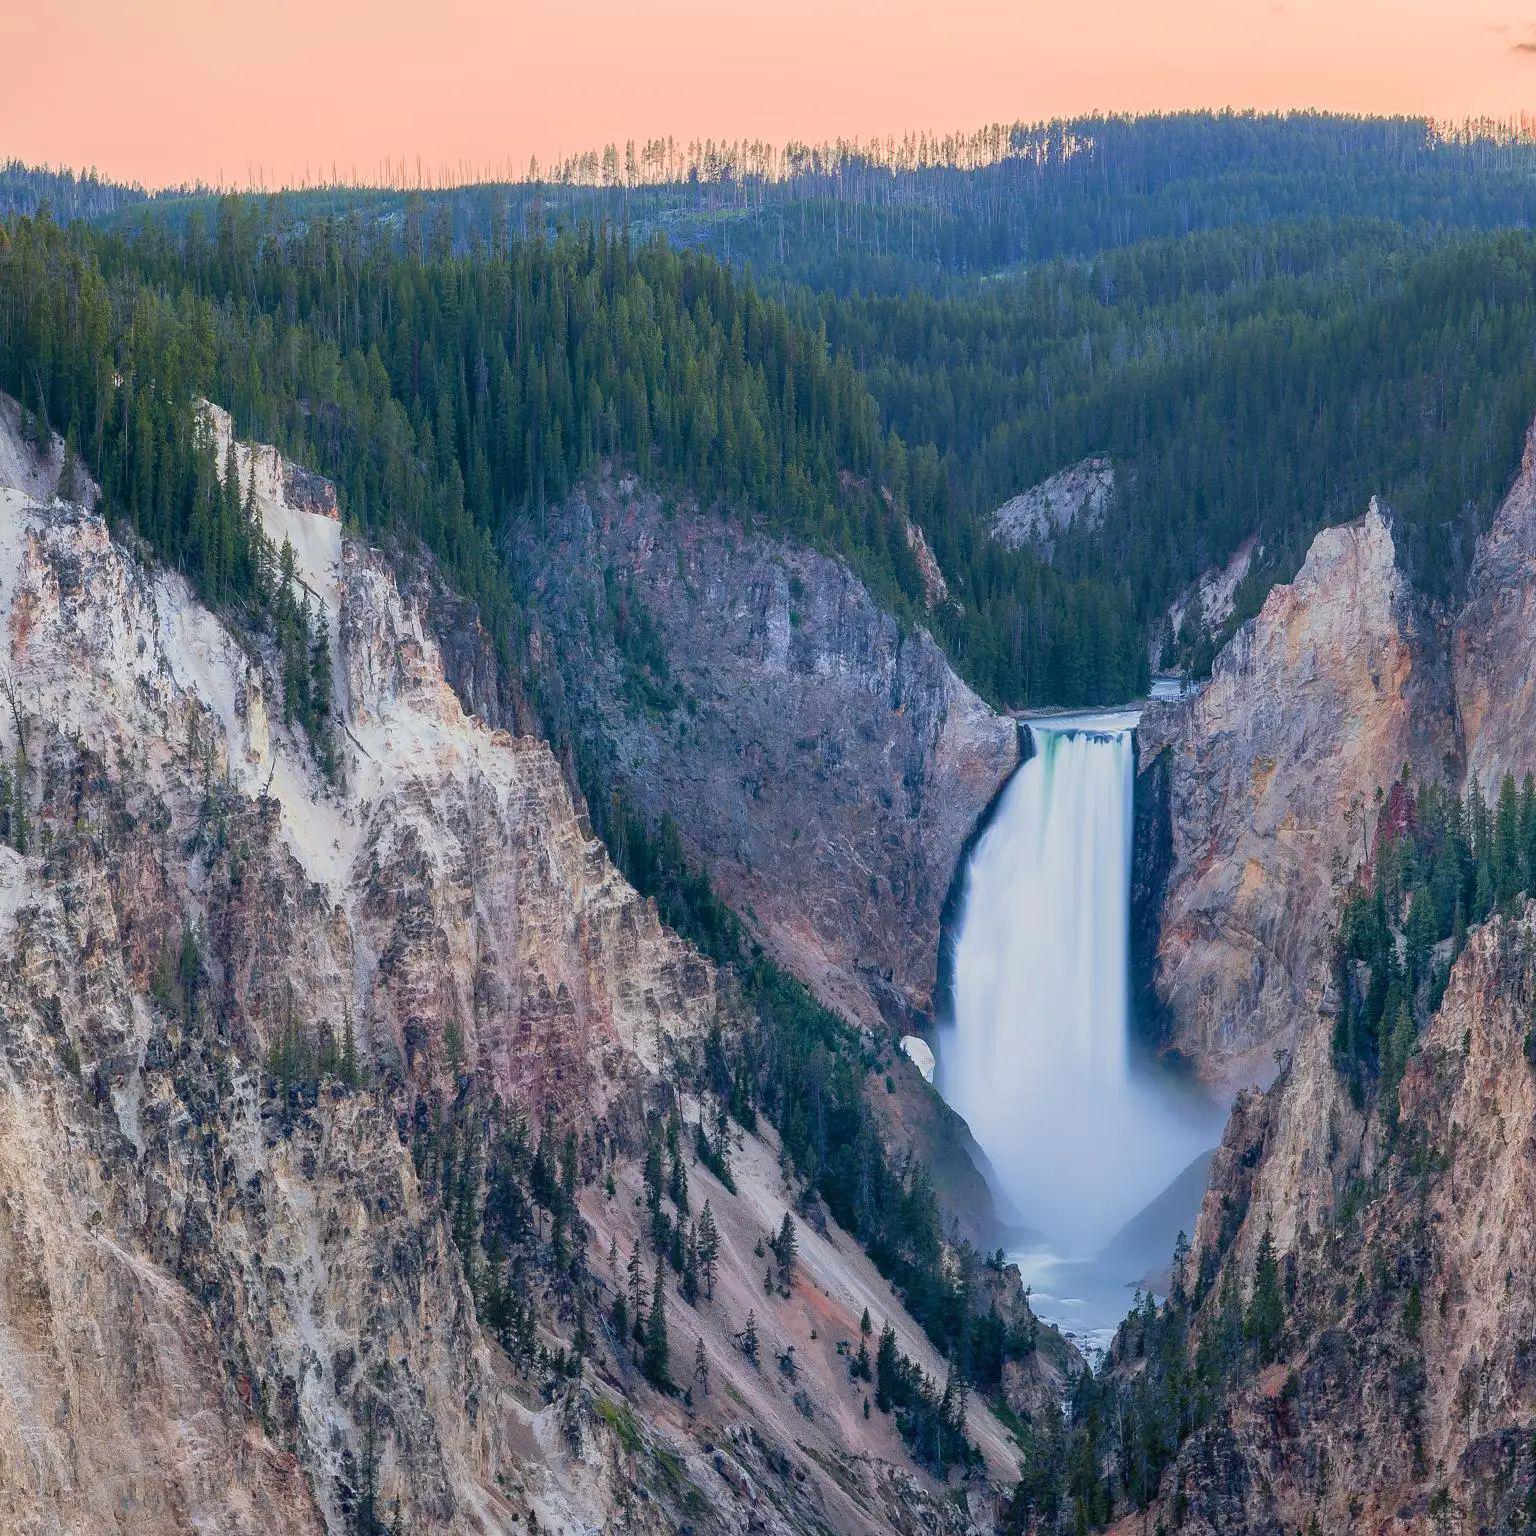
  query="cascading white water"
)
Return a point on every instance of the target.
[{"x": 1038, "y": 1057}]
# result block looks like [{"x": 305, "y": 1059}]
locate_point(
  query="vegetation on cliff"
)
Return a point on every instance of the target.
[{"x": 1443, "y": 862}]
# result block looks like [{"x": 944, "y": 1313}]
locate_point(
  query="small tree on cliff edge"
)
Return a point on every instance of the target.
[{"x": 1266, "y": 1308}]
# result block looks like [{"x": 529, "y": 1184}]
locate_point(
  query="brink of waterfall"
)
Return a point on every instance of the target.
[{"x": 1078, "y": 1135}]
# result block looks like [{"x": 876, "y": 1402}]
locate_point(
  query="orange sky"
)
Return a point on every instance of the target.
[{"x": 168, "y": 90}]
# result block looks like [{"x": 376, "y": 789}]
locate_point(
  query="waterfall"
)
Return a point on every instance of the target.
[{"x": 1038, "y": 1057}]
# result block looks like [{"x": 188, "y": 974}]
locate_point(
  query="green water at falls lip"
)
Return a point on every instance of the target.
[{"x": 1037, "y": 1059}]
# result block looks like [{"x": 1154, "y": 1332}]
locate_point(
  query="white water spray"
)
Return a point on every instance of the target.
[{"x": 1038, "y": 1060}]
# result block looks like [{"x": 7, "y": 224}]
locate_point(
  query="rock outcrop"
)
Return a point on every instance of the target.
[
  {"x": 824, "y": 764},
  {"x": 1076, "y": 497},
  {"x": 1273, "y": 770},
  {"x": 1217, "y": 589},
  {"x": 231, "y": 1300}
]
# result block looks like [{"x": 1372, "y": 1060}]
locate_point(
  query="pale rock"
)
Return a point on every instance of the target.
[
  {"x": 1076, "y": 497},
  {"x": 920, "y": 1054},
  {"x": 207, "y": 1291},
  {"x": 1273, "y": 769},
  {"x": 1494, "y": 657}
]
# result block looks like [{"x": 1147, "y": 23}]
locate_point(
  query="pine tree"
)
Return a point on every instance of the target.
[
  {"x": 1266, "y": 1307},
  {"x": 349, "y": 1071},
  {"x": 861, "y": 1367},
  {"x": 1396, "y": 1046},
  {"x": 636, "y": 1274},
  {"x": 887, "y": 1370},
  {"x": 786, "y": 1250},
  {"x": 1508, "y": 848},
  {"x": 1528, "y": 829},
  {"x": 656, "y": 1354},
  {"x": 749, "y": 1341},
  {"x": 320, "y": 672},
  {"x": 653, "y": 1181},
  {"x": 691, "y": 1265},
  {"x": 677, "y": 1182},
  {"x": 701, "y": 1365},
  {"x": 709, "y": 1249}
]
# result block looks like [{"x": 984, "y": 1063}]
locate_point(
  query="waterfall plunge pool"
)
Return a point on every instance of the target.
[{"x": 1093, "y": 1150}]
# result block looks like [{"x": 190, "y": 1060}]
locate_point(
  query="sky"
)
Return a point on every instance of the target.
[{"x": 281, "y": 91}]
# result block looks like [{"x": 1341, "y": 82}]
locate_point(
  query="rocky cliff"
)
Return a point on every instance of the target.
[
  {"x": 1272, "y": 770},
  {"x": 1079, "y": 496},
  {"x": 1494, "y": 660},
  {"x": 823, "y": 763},
  {"x": 1404, "y": 1394},
  {"x": 232, "y": 1295}
]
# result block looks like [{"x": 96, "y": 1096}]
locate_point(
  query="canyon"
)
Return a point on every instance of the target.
[
  {"x": 231, "y": 1298},
  {"x": 243, "y": 1305},
  {"x": 605, "y": 941}
]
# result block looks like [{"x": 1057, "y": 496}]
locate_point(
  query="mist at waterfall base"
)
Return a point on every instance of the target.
[{"x": 1080, "y": 1136}]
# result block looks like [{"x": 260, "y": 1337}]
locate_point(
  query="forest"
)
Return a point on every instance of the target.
[{"x": 1260, "y": 322}]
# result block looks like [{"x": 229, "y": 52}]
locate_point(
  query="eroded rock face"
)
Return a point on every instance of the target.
[
  {"x": 1405, "y": 1390},
  {"x": 823, "y": 764},
  {"x": 1273, "y": 771},
  {"x": 1406, "y": 1386},
  {"x": 232, "y": 1308},
  {"x": 1076, "y": 497},
  {"x": 262, "y": 1286},
  {"x": 1217, "y": 589}
]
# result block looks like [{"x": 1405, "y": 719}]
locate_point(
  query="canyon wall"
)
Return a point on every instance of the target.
[
  {"x": 821, "y": 761},
  {"x": 229, "y": 1299},
  {"x": 1273, "y": 769},
  {"x": 1494, "y": 657},
  {"x": 1405, "y": 1390}
]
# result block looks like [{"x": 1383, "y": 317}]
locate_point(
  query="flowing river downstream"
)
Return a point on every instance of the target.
[{"x": 1094, "y": 1152}]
